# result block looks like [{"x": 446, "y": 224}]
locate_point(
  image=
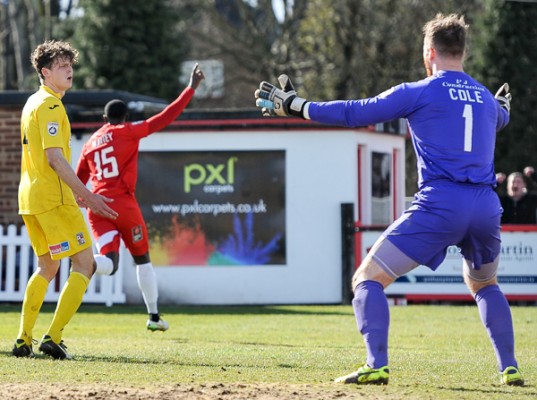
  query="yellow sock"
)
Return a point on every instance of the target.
[
  {"x": 68, "y": 303},
  {"x": 33, "y": 300}
]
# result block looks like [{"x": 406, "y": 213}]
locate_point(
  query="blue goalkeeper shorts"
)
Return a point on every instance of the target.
[{"x": 446, "y": 214}]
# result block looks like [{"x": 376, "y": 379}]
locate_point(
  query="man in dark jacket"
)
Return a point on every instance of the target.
[{"x": 519, "y": 205}]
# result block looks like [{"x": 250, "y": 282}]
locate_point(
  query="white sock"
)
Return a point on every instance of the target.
[
  {"x": 147, "y": 282},
  {"x": 105, "y": 266}
]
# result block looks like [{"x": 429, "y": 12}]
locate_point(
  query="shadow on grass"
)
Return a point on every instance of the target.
[
  {"x": 200, "y": 310},
  {"x": 528, "y": 390},
  {"x": 144, "y": 361}
]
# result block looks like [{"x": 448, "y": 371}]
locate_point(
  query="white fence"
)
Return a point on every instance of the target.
[{"x": 18, "y": 262}]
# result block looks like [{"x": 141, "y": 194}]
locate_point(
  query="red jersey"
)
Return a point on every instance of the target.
[{"x": 109, "y": 159}]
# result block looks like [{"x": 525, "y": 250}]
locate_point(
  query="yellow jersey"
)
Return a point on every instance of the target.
[{"x": 44, "y": 125}]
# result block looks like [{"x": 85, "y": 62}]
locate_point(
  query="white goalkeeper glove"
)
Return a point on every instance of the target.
[
  {"x": 504, "y": 97},
  {"x": 283, "y": 102}
]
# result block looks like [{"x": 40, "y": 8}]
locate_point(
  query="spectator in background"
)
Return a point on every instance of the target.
[
  {"x": 500, "y": 178},
  {"x": 531, "y": 178},
  {"x": 519, "y": 205},
  {"x": 500, "y": 183}
]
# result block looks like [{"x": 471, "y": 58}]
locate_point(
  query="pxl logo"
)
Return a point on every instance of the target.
[{"x": 216, "y": 178}]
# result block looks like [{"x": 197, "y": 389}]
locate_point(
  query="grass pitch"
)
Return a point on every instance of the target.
[{"x": 436, "y": 352}]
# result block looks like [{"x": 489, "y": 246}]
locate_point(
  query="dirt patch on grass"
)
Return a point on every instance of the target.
[{"x": 183, "y": 391}]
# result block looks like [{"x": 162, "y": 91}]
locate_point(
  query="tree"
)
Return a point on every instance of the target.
[
  {"x": 510, "y": 56},
  {"x": 358, "y": 48},
  {"x": 23, "y": 25},
  {"x": 137, "y": 47},
  {"x": 250, "y": 40}
]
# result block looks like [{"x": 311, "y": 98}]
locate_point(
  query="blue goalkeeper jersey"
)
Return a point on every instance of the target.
[{"x": 453, "y": 121}]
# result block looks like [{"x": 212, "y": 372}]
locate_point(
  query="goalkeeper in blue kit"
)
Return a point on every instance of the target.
[{"x": 453, "y": 120}]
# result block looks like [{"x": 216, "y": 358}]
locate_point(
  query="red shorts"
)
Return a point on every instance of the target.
[{"x": 129, "y": 226}]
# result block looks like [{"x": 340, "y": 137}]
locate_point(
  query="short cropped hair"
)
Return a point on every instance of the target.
[
  {"x": 116, "y": 111},
  {"x": 514, "y": 175},
  {"x": 447, "y": 34},
  {"x": 48, "y": 52}
]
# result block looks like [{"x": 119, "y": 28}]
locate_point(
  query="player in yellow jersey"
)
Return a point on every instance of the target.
[{"x": 49, "y": 198}]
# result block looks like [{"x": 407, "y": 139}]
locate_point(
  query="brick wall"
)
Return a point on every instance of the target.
[{"x": 10, "y": 159}]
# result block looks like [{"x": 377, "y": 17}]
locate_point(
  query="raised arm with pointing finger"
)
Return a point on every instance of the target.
[{"x": 109, "y": 161}]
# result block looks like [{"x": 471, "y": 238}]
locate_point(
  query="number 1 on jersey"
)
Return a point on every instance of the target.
[{"x": 468, "y": 116}]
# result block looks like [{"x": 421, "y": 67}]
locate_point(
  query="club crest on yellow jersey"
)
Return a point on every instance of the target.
[{"x": 52, "y": 128}]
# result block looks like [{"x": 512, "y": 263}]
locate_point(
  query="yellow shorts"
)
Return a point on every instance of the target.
[{"x": 61, "y": 232}]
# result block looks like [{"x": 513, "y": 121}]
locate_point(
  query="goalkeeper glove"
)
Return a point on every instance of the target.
[
  {"x": 504, "y": 97},
  {"x": 283, "y": 102}
]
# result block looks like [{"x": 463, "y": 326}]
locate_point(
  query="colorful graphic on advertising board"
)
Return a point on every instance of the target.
[{"x": 209, "y": 208}]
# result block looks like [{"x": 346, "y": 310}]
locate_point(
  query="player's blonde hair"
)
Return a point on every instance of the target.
[
  {"x": 447, "y": 34},
  {"x": 48, "y": 52}
]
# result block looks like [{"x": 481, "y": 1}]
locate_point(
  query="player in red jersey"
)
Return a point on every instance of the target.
[{"x": 109, "y": 160}]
